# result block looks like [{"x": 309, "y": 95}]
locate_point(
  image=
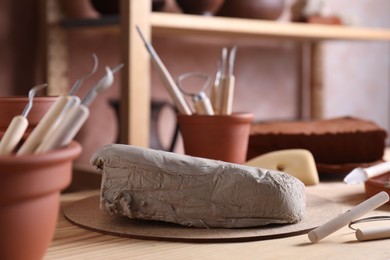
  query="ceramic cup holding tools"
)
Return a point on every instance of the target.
[
  {"x": 218, "y": 137},
  {"x": 13, "y": 105}
]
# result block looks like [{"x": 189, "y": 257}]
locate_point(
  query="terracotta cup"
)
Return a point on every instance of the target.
[
  {"x": 13, "y": 105},
  {"x": 219, "y": 137},
  {"x": 29, "y": 200}
]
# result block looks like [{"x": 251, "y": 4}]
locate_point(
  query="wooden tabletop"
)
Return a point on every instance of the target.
[{"x": 72, "y": 242}]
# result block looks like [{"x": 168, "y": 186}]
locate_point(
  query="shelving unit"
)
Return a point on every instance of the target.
[{"x": 135, "y": 98}]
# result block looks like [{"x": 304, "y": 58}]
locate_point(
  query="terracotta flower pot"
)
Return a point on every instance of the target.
[
  {"x": 255, "y": 9},
  {"x": 220, "y": 137},
  {"x": 13, "y": 106},
  {"x": 29, "y": 200},
  {"x": 202, "y": 7}
]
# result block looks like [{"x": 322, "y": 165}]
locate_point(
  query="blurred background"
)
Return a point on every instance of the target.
[{"x": 356, "y": 74}]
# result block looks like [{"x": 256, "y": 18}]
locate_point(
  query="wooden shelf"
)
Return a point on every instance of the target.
[
  {"x": 170, "y": 23},
  {"x": 223, "y": 26},
  {"x": 135, "y": 96}
]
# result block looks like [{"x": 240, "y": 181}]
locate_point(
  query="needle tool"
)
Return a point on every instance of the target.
[
  {"x": 18, "y": 125},
  {"x": 52, "y": 116},
  {"x": 167, "y": 79},
  {"x": 201, "y": 102},
  {"x": 75, "y": 117}
]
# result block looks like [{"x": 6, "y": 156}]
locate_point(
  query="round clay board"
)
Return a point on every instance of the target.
[{"x": 87, "y": 214}]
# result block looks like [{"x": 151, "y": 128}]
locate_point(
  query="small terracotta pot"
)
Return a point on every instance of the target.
[
  {"x": 29, "y": 200},
  {"x": 13, "y": 106},
  {"x": 255, "y": 9},
  {"x": 219, "y": 137},
  {"x": 202, "y": 7}
]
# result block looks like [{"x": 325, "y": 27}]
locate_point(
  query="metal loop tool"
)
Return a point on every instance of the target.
[{"x": 201, "y": 102}]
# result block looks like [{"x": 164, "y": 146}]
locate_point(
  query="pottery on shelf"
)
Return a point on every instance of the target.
[
  {"x": 201, "y": 7},
  {"x": 254, "y": 9},
  {"x": 30, "y": 200},
  {"x": 111, "y": 7}
]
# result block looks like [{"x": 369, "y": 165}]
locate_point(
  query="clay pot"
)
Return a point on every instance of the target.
[
  {"x": 255, "y": 9},
  {"x": 29, "y": 200},
  {"x": 13, "y": 106},
  {"x": 219, "y": 137},
  {"x": 111, "y": 7},
  {"x": 202, "y": 7}
]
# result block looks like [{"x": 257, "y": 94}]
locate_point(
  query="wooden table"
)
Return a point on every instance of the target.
[{"x": 72, "y": 242}]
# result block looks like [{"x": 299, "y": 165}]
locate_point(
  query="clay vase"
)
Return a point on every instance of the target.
[
  {"x": 219, "y": 137},
  {"x": 112, "y": 7},
  {"x": 254, "y": 9},
  {"x": 201, "y": 7},
  {"x": 13, "y": 106},
  {"x": 30, "y": 200}
]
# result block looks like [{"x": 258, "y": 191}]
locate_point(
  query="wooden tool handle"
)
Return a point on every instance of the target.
[
  {"x": 377, "y": 169},
  {"x": 43, "y": 127},
  {"x": 172, "y": 88},
  {"x": 227, "y": 98},
  {"x": 203, "y": 105},
  {"x": 13, "y": 135},
  {"x": 345, "y": 218},
  {"x": 372, "y": 233},
  {"x": 66, "y": 130}
]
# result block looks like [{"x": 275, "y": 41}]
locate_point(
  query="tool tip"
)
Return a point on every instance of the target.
[{"x": 356, "y": 176}]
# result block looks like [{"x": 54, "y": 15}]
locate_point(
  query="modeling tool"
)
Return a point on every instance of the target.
[
  {"x": 201, "y": 102},
  {"x": 347, "y": 217},
  {"x": 372, "y": 233},
  {"x": 228, "y": 85},
  {"x": 360, "y": 175},
  {"x": 75, "y": 117},
  {"x": 299, "y": 163},
  {"x": 167, "y": 79},
  {"x": 53, "y": 115},
  {"x": 18, "y": 125}
]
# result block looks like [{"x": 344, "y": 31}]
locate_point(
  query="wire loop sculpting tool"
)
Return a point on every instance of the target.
[
  {"x": 202, "y": 104},
  {"x": 75, "y": 117},
  {"x": 344, "y": 219},
  {"x": 18, "y": 125},
  {"x": 53, "y": 115},
  {"x": 371, "y": 233}
]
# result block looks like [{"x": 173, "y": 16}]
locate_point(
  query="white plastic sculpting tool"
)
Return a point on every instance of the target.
[
  {"x": 167, "y": 79},
  {"x": 299, "y": 163},
  {"x": 228, "y": 85},
  {"x": 344, "y": 219},
  {"x": 361, "y": 175},
  {"x": 16, "y": 129},
  {"x": 54, "y": 114},
  {"x": 75, "y": 117}
]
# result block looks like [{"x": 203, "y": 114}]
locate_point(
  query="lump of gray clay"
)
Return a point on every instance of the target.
[{"x": 147, "y": 184}]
